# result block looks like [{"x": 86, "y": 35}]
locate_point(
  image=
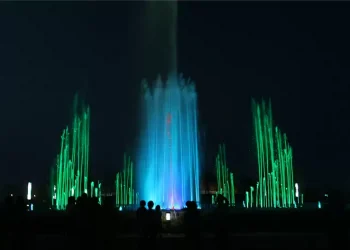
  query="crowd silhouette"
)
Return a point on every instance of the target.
[
  {"x": 150, "y": 226},
  {"x": 87, "y": 222},
  {"x": 83, "y": 226},
  {"x": 13, "y": 230}
]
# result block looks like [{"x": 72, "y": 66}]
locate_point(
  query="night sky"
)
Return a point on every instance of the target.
[{"x": 297, "y": 54}]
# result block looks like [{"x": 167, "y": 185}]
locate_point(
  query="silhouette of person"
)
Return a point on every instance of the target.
[
  {"x": 337, "y": 230},
  {"x": 71, "y": 218},
  {"x": 106, "y": 225},
  {"x": 158, "y": 214},
  {"x": 9, "y": 204},
  {"x": 86, "y": 222},
  {"x": 191, "y": 221},
  {"x": 9, "y": 215},
  {"x": 151, "y": 222},
  {"x": 21, "y": 222},
  {"x": 141, "y": 216},
  {"x": 70, "y": 205},
  {"x": 221, "y": 224},
  {"x": 94, "y": 216}
]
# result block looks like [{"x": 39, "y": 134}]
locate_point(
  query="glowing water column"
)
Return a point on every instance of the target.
[
  {"x": 124, "y": 185},
  {"x": 275, "y": 160},
  {"x": 168, "y": 160},
  {"x": 29, "y": 192},
  {"x": 53, "y": 185},
  {"x": 99, "y": 193},
  {"x": 224, "y": 178},
  {"x": 73, "y": 160}
]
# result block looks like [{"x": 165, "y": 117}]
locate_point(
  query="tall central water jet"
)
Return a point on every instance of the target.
[
  {"x": 159, "y": 39},
  {"x": 168, "y": 161}
]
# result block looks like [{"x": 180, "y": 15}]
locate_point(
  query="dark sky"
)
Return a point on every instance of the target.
[{"x": 297, "y": 54}]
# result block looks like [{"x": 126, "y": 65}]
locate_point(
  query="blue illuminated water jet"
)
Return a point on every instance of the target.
[{"x": 168, "y": 160}]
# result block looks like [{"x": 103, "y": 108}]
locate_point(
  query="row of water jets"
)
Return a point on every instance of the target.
[{"x": 275, "y": 188}]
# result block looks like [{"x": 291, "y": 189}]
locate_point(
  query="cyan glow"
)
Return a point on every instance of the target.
[{"x": 168, "y": 160}]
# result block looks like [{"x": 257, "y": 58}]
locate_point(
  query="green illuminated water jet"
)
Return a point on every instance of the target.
[
  {"x": 124, "y": 185},
  {"x": 96, "y": 191},
  {"x": 53, "y": 184},
  {"x": 224, "y": 178},
  {"x": 72, "y": 166},
  {"x": 275, "y": 161}
]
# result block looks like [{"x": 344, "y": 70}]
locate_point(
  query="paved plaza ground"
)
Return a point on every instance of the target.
[{"x": 207, "y": 241}]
